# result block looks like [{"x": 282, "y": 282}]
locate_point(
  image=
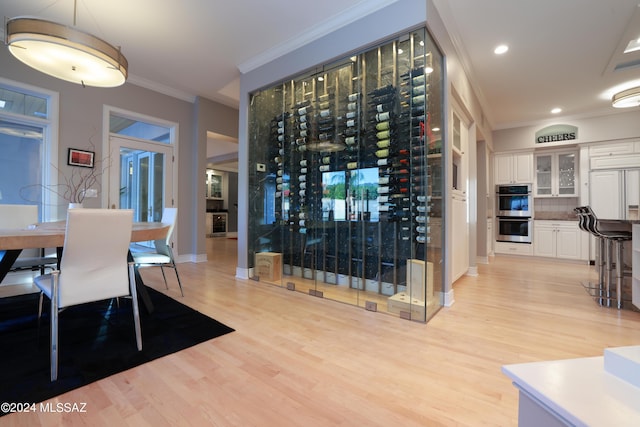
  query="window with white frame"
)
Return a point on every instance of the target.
[{"x": 28, "y": 146}]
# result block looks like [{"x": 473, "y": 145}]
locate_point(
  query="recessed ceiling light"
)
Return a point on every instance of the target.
[
  {"x": 556, "y": 110},
  {"x": 501, "y": 49}
]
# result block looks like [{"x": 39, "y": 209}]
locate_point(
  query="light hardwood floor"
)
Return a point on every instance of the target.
[{"x": 297, "y": 360}]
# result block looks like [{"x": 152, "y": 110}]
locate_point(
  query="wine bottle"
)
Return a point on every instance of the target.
[
  {"x": 385, "y": 143},
  {"x": 382, "y": 153},
  {"x": 304, "y": 110},
  {"x": 418, "y": 90},
  {"x": 385, "y": 134},
  {"x": 382, "y": 90},
  {"x": 418, "y": 80},
  {"x": 382, "y": 117},
  {"x": 422, "y": 239},
  {"x": 352, "y": 131},
  {"x": 385, "y": 98},
  {"x": 381, "y": 126}
]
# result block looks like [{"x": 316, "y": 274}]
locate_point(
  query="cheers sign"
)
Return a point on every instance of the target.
[{"x": 556, "y": 133}]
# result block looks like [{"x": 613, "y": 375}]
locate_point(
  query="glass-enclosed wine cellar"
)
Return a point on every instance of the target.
[{"x": 346, "y": 179}]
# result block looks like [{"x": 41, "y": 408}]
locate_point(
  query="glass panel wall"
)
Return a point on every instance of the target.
[{"x": 346, "y": 180}]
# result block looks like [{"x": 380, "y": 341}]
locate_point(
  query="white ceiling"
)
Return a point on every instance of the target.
[{"x": 561, "y": 51}]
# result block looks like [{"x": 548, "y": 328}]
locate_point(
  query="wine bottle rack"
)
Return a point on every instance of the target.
[{"x": 355, "y": 165}]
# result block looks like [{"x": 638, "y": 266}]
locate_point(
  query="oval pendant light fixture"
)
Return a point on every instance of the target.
[
  {"x": 65, "y": 52},
  {"x": 627, "y": 98}
]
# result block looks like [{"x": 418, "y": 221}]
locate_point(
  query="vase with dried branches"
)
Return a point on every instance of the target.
[{"x": 73, "y": 187}]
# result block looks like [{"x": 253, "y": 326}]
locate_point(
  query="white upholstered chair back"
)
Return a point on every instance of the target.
[
  {"x": 94, "y": 258},
  {"x": 20, "y": 216},
  {"x": 169, "y": 216}
]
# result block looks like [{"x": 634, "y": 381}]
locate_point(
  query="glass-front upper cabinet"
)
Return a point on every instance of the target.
[
  {"x": 213, "y": 185},
  {"x": 556, "y": 174}
]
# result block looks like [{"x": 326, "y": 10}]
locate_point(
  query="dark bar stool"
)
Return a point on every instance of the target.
[
  {"x": 584, "y": 225},
  {"x": 609, "y": 240}
]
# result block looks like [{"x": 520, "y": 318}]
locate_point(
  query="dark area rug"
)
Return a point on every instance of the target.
[{"x": 95, "y": 341}]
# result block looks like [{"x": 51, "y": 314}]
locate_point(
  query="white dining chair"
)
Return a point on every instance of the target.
[
  {"x": 162, "y": 256},
  {"x": 93, "y": 267},
  {"x": 19, "y": 217}
]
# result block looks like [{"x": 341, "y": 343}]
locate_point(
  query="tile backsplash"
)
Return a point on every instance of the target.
[{"x": 555, "y": 204}]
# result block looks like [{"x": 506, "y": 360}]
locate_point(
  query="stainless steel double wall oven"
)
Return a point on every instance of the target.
[{"x": 514, "y": 213}]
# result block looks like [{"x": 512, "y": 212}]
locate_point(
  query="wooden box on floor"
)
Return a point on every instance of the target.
[
  {"x": 268, "y": 266},
  {"x": 413, "y": 299}
]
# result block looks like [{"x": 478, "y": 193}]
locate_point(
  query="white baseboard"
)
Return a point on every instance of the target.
[
  {"x": 448, "y": 299},
  {"x": 472, "y": 271},
  {"x": 191, "y": 258},
  {"x": 243, "y": 273},
  {"x": 482, "y": 260}
]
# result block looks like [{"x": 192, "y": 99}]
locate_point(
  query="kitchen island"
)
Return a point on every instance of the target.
[{"x": 594, "y": 391}]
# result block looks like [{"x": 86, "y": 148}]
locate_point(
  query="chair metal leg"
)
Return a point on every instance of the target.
[
  {"x": 609, "y": 270},
  {"x": 54, "y": 326},
  {"x": 601, "y": 269},
  {"x": 619, "y": 272},
  {"x": 164, "y": 277},
  {"x": 134, "y": 303},
  {"x": 40, "y": 301},
  {"x": 178, "y": 277}
]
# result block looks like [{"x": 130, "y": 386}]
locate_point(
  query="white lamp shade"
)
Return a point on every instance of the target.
[
  {"x": 627, "y": 98},
  {"x": 66, "y": 53}
]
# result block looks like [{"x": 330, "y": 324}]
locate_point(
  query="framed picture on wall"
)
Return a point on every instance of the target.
[{"x": 80, "y": 158}]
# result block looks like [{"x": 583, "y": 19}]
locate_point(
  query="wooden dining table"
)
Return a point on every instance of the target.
[{"x": 51, "y": 235}]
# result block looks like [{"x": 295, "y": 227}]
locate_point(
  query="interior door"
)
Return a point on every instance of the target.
[{"x": 140, "y": 177}]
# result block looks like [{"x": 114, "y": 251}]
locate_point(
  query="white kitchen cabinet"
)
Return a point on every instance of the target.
[
  {"x": 557, "y": 239},
  {"x": 459, "y": 237},
  {"x": 556, "y": 174},
  {"x": 609, "y": 149},
  {"x": 513, "y": 168},
  {"x": 512, "y": 248}
]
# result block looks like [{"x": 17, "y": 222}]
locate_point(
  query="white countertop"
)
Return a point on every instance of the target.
[{"x": 579, "y": 391}]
